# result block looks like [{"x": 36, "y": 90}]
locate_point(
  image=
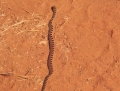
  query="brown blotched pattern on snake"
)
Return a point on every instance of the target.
[{"x": 51, "y": 48}]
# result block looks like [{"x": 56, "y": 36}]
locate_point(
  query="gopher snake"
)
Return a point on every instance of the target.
[{"x": 51, "y": 48}]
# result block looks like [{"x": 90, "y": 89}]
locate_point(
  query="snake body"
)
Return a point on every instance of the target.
[{"x": 51, "y": 48}]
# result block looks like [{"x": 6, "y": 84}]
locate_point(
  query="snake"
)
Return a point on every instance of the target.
[{"x": 51, "y": 48}]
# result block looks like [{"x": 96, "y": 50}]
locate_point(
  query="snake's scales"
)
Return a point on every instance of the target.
[{"x": 51, "y": 48}]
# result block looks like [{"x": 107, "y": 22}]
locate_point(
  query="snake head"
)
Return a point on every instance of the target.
[{"x": 53, "y": 8}]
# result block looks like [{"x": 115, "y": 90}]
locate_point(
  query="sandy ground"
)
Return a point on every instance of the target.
[{"x": 87, "y": 45}]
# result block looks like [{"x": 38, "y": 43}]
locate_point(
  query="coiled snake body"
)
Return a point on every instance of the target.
[{"x": 51, "y": 48}]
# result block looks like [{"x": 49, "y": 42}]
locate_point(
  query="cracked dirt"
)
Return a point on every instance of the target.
[{"x": 87, "y": 45}]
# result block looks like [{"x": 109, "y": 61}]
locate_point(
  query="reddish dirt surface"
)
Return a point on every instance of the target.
[{"x": 87, "y": 45}]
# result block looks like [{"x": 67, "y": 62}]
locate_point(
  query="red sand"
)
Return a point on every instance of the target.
[{"x": 87, "y": 45}]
